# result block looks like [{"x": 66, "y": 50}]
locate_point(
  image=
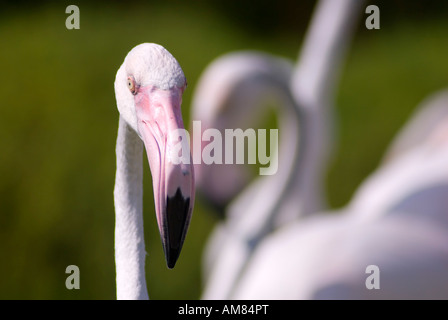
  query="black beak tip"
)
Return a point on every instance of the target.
[
  {"x": 178, "y": 212},
  {"x": 171, "y": 258}
]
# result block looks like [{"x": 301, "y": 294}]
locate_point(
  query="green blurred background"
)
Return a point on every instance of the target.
[{"x": 58, "y": 122}]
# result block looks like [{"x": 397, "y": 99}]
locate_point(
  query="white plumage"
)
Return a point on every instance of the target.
[
  {"x": 148, "y": 88},
  {"x": 233, "y": 92},
  {"x": 398, "y": 221}
]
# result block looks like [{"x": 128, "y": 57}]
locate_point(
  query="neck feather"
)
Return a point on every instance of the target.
[{"x": 129, "y": 236}]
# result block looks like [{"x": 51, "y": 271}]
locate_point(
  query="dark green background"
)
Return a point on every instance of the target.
[{"x": 58, "y": 122}]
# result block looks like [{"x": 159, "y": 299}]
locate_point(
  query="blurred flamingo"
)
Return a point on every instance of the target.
[
  {"x": 233, "y": 92},
  {"x": 398, "y": 222}
]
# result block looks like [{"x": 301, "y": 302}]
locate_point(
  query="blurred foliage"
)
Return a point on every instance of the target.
[{"x": 58, "y": 123}]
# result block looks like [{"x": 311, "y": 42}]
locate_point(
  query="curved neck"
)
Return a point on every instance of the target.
[
  {"x": 251, "y": 214},
  {"x": 129, "y": 236},
  {"x": 261, "y": 200}
]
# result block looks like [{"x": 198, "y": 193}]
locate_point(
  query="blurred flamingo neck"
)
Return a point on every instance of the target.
[{"x": 129, "y": 236}]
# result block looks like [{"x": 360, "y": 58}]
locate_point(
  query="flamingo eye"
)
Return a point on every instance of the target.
[{"x": 131, "y": 85}]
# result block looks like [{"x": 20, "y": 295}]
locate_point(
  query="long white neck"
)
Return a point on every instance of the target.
[{"x": 129, "y": 237}]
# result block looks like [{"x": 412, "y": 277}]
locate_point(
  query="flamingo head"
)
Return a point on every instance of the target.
[{"x": 149, "y": 87}]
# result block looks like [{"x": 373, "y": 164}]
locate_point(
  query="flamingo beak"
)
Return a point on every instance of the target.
[{"x": 159, "y": 120}]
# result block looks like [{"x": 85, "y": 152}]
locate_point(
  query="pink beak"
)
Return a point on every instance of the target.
[{"x": 159, "y": 120}]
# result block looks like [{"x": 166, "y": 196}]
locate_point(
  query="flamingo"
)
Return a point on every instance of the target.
[
  {"x": 148, "y": 89},
  {"x": 328, "y": 258},
  {"x": 296, "y": 261},
  {"x": 397, "y": 221},
  {"x": 233, "y": 89},
  {"x": 250, "y": 216}
]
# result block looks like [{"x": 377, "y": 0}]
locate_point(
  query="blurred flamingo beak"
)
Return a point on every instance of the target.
[{"x": 159, "y": 120}]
